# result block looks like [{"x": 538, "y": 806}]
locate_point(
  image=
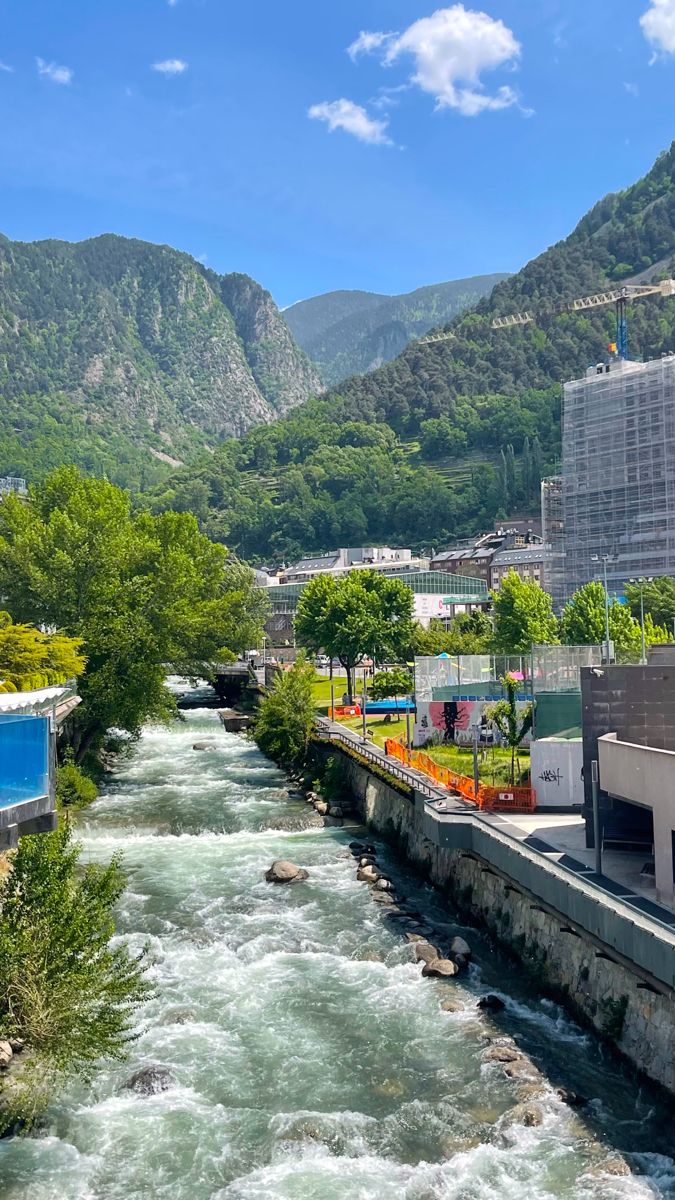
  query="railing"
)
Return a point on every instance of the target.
[
  {"x": 372, "y": 754},
  {"x": 488, "y": 799}
]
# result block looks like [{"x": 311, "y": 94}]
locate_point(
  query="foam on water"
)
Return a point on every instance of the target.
[{"x": 308, "y": 1057}]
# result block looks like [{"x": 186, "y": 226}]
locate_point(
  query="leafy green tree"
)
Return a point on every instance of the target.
[
  {"x": 32, "y": 659},
  {"x": 583, "y": 622},
  {"x": 523, "y": 616},
  {"x": 67, "y": 991},
  {"x": 513, "y": 726},
  {"x": 358, "y": 615},
  {"x": 659, "y": 600},
  {"x": 285, "y": 717},
  {"x": 394, "y": 682},
  {"x": 144, "y": 594}
]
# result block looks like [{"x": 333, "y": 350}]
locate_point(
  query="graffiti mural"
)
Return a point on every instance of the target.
[{"x": 451, "y": 722}]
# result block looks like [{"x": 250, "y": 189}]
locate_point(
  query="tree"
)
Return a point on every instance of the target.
[
  {"x": 32, "y": 659},
  {"x": 285, "y": 717},
  {"x": 66, "y": 990},
  {"x": 144, "y": 594},
  {"x": 513, "y": 726},
  {"x": 659, "y": 599},
  {"x": 523, "y": 616},
  {"x": 358, "y": 615},
  {"x": 395, "y": 682},
  {"x": 583, "y": 622}
]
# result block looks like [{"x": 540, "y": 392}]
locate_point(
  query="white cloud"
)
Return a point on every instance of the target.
[
  {"x": 658, "y": 25},
  {"x": 352, "y": 118},
  {"x": 451, "y": 49},
  {"x": 170, "y": 66},
  {"x": 632, "y": 89},
  {"x": 6, "y": 67},
  {"x": 53, "y": 71},
  {"x": 366, "y": 43}
]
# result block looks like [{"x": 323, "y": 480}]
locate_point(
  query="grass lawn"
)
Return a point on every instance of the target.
[
  {"x": 494, "y": 763},
  {"x": 379, "y": 727},
  {"x": 322, "y": 690}
]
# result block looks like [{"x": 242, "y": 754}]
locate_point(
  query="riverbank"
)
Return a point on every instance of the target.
[{"x": 306, "y": 1055}]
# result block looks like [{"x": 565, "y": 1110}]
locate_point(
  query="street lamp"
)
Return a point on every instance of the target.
[
  {"x": 604, "y": 559},
  {"x": 641, "y": 584}
]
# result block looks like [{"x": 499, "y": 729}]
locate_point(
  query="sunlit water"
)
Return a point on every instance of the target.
[{"x": 311, "y": 1059}]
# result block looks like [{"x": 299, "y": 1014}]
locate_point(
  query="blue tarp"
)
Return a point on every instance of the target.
[{"x": 385, "y": 706}]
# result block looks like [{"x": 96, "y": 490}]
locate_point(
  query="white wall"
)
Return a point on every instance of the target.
[{"x": 556, "y": 772}]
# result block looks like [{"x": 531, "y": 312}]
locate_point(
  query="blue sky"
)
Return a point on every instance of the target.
[{"x": 452, "y": 140}]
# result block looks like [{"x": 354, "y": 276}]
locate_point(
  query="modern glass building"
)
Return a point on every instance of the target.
[
  {"x": 437, "y": 594},
  {"x": 619, "y": 473}
]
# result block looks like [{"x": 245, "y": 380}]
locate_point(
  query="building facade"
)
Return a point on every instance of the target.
[{"x": 619, "y": 473}]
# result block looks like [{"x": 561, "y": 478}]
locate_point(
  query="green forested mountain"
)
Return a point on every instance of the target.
[
  {"x": 350, "y": 332},
  {"x": 451, "y": 434},
  {"x": 117, "y": 355}
]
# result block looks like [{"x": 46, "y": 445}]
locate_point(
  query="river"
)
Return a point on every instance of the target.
[{"x": 310, "y": 1058}]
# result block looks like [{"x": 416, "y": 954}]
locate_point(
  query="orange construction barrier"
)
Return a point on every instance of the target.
[
  {"x": 347, "y": 710},
  {"x": 489, "y": 799}
]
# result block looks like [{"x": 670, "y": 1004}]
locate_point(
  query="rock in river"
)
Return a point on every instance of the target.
[
  {"x": 367, "y": 874},
  {"x": 440, "y": 968},
  {"x": 282, "y": 871},
  {"x": 491, "y": 1003},
  {"x": 150, "y": 1081},
  {"x": 204, "y": 746},
  {"x": 6, "y": 1054}
]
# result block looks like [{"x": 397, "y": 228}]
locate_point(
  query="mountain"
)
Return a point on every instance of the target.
[
  {"x": 453, "y": 434},
  {"x": 119, "y": 354},
  {"x": 348, "y": 333},
  {"x": 627, "y": 236}
]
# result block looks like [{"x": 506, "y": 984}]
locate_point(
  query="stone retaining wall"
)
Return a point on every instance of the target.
[{"x": 622, "y": 1003}]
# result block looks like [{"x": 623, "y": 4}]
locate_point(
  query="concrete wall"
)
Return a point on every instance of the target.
[
  {"x": 484, "y": 877},
  {"x": 645, "y": 776},
  {"x": 556, "y": 766}
]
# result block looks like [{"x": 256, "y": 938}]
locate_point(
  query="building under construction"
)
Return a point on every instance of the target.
[{"x": 619, "y": 474}]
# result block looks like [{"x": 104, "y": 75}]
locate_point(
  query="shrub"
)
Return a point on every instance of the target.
[
  {"x": 64, "y": 988},
  {"x": 285, "y": 718},
  {"x": 74, "y": 789}
]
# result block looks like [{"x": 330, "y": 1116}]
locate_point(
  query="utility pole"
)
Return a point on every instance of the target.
[
  {"x": 604, "y": 559},
  {"x": 476, "y": 780},
  {"x": 597, "y": 842},
  {"x": 363, "y": 702},
  {"x": 407, "y": 721}
]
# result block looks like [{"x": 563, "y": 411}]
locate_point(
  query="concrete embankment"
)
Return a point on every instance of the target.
[{"x": 611, "y": 967}]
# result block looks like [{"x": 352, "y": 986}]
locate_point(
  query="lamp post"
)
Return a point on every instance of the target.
[
  {"x": 604, "y": 559},
  {"x": 641, "y": 584}
]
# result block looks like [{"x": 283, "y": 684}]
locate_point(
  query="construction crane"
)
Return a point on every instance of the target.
[{"x": 617, "y": 296}]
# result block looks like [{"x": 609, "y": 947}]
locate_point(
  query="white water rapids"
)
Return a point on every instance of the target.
[{"x": 310, "y": 1058}]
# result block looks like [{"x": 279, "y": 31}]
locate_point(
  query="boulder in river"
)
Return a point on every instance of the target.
[
  {"x": 321, "y": 807},
  {"x": 368, "y": 874},
  {"x": 357, "y": 848},
  {"x": 440, "y": 968},
  {"x": 367, "y": 860},
  {"x": 335, "y": 810},
  {"x": 204, "y": 746},
  {"x": 283, "y": 871},
  {"x": 384, "y": 885},
  {"x": 491, "y": 1003},
  {"x": 460, "y": 952},
  {"x": 572, "y": 1098},
  {"x": 150, "y": 1081},
  {"x": 6, "y": 1054},
  {"x": 425, "y": 952},
  {"x": 524, "y": 1114},
  {"x": 452, "y": 1004},
  {"x": 501, "y": 1053}
]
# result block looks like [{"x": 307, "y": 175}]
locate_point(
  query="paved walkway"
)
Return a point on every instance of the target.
[{"x": 557, "y": 838}]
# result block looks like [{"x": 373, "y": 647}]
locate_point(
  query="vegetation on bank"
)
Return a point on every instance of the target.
[
  {"x": 285, "y": 717},
  {"x": 66, "y": 991},
  {"x": 142, "y": 594}
]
